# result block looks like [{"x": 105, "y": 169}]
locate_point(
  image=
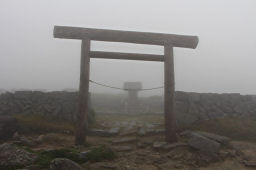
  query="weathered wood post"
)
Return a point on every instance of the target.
[
  {"x": 81, "y": 126},
  {"x": 169, "y": 91}
]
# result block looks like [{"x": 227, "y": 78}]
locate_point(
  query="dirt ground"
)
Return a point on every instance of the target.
[{"x": 139, "y": 153}]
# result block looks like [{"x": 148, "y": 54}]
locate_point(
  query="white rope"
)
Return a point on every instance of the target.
[{"x": 118, "y": 88}]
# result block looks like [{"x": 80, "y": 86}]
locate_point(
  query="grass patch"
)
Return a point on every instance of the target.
[
  {"x": 101, "y": 153},
  {"x": 45, "y": 157},
  {"x": 54, "y": 139},
  {"x": 95, "y": 155},
  {"x": 233, "y": 127},
  {"x": 36, "y": 123}
]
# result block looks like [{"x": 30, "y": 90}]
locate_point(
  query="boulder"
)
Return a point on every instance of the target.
[
  {"x": 215, "y": 137},
  {"x": 25, "y": 141},
  {"x": 16, "y": 136},
  {"x": 122, "y": 148},
  {"x": 114, "y": 131},
  {"x": 12, "y": 156},
  {"x": 155, "y": 131},
  {"x": 33, "y": 167},
  {"x": 104, "y": 133},
  {"x": 64, "y": 164},
  {"x": 8, "y": 126},
  {"x": 158, "y": 145},
  {"x": 203, "y": 144},
  {"x": 174, "y": 145},
  {"x": 250, "y": 163},
  {"x": 124, "y": 140},
  {"x": 142, "y": 132}
]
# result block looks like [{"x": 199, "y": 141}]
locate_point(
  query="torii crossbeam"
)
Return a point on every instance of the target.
[{"x": 167, "y": 40}]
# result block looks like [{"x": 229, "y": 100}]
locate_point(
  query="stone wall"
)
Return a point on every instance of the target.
[
  {"x": 60, "y": 104},
  {"x": 190, "y": 107}
]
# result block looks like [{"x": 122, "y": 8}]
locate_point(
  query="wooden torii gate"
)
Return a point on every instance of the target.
[{"x": 167, "y": 40}]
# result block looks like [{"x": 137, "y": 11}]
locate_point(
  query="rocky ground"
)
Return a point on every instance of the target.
[{"x": 127, "y": 143}]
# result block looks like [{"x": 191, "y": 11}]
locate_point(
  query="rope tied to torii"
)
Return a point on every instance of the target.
[{"x": 119, "y": 88}]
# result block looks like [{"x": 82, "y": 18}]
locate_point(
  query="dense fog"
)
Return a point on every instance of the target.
[{"x": 223, "y": 62}]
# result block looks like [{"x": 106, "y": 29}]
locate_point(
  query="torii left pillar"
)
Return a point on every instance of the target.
[{"x": 82, "y": 114}]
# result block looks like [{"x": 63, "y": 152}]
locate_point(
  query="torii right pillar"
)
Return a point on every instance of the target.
[{"x": 169, "y": 92}]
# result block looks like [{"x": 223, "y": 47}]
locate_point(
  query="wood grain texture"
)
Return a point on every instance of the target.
[
  {"x": 184, "y": 41},
  {"x": 126, "y": 56},
  {"x": 81, "y": 125},
  {"x": 169, "y": 88}
]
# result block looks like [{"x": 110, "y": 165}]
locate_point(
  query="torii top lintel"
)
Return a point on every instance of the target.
[{"x": 184, "y": 41}]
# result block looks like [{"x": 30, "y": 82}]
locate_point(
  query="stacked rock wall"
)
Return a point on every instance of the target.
[
  {"x": 190, "y": 107},
  {"x": 59, "y": 104}
]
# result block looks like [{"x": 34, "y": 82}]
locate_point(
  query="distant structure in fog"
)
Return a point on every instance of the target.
[{"x": 132, "y": 103}]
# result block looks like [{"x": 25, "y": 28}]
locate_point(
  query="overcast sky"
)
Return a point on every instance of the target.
[{"x": 223, "y": 62}]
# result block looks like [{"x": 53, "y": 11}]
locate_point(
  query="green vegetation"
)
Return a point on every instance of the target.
[
  {"x": 45, "y": 157},
  {"x": 101, "y": 153},
  {"x": 11, "y": 167},
  {"x": 236, "y": 128},
  {"x": 97, "y": 154},
  {"x": 38, "y": 123}
]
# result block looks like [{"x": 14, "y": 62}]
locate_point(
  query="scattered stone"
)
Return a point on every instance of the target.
[
  {"x": 148, "y": 142},
  {"x": 103, "y": 133},
  {"x": 215, "y": 137},
  {"x": 174, "y": 145},
  {"x": 207, "y": 157},
  {"x": 101, "y": 165},
  {"x": 124, "y": 140},
  {"x": 223, "y": 154},
  {"x": 40, "y": 138},
  {"x": 64, "y": 164},
  {"x": 124, "y": 124},
  {"x": 159, "y": 131},
  {"x": 158, "y": 145},
  {"x": 16, "y": 136},
  {"x": 109, "y": 166},
  {"x": 25, "y": 141},
  {"x": 128, "y": 133},
  {"x": 12, "y": 156},
  {"x": 232, "y": 153},
  {"x": 244, "y": 150},
  {"x": 130, "y": 126},
  {"x": 85, "y": 153},
  {"x": 142, "y": 132},
  {"x": 186, "y": 133},
  {"x": 140, "y": 145},
  {"x": 128, "y": 167},
  {"x": 202, "y": 143},
  {"x": 114, "y": 131},
  {"x": 122, "y": 148},
  {"x": 155, "y": 131},
  {"x": 250, "y": 163},
  {"x": 179, "y": 166},
  {"x": 149, "y": 125},
  {"x": 168, "y": 165},
  {"x": 33, "y": 167},
  {"x": 148, "y": 167}
]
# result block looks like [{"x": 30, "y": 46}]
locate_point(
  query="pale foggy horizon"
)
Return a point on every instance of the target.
[{"x": 223, "y": 62}]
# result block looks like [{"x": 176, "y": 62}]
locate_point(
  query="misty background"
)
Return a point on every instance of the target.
[{"x": 223, "y": 62}]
